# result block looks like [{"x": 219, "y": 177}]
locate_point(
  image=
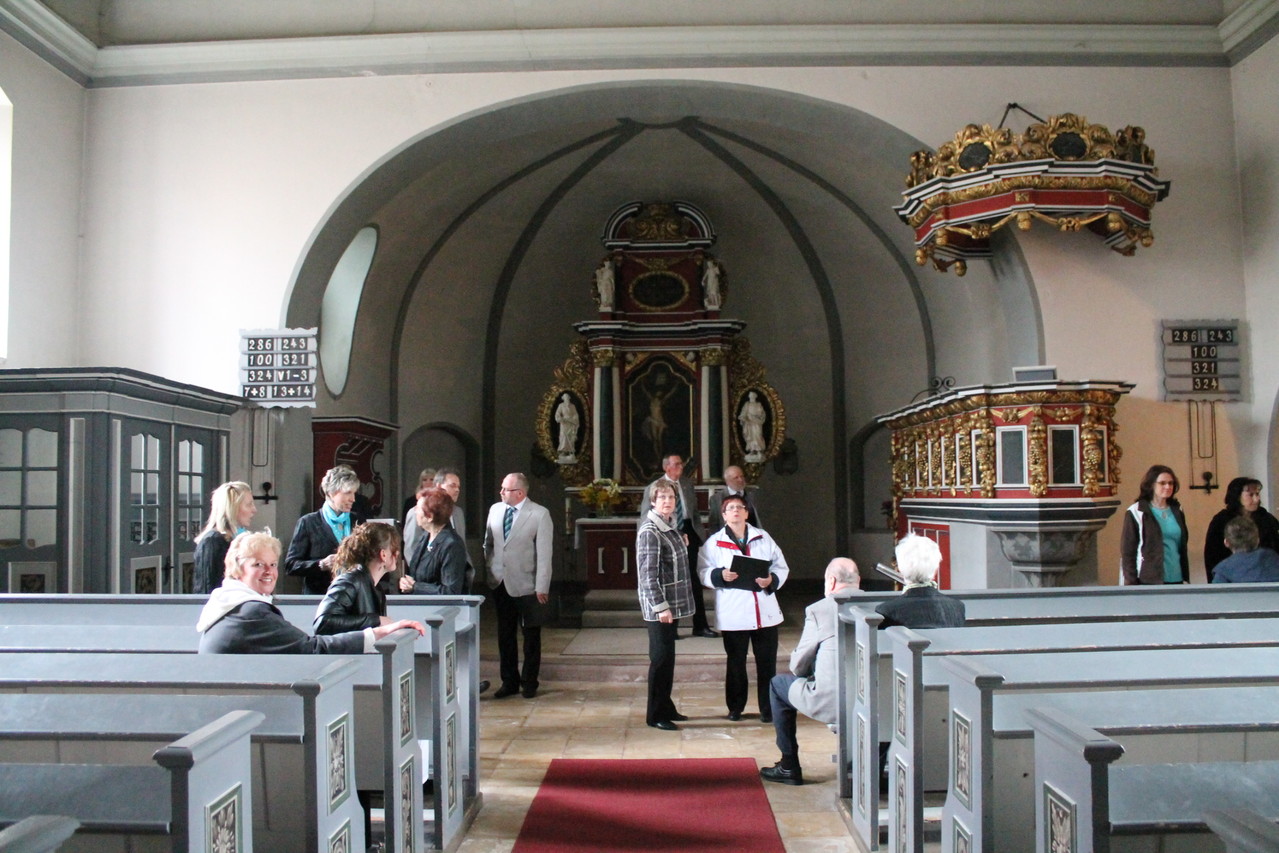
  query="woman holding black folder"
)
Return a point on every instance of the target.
[{"x": 745, "y": 568}]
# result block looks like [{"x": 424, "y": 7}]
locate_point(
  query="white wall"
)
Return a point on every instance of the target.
[
  {"x": 48, "y": 130},
  {"x": 1257, "y": 136}
]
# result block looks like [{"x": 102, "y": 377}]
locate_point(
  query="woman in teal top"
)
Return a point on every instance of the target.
[{"x": 1154, "y": 544}]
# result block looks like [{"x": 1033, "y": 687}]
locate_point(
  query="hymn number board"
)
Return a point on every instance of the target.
[
  {"x": 278, "y": 367},
  {"x": 1203, "y": 360}
]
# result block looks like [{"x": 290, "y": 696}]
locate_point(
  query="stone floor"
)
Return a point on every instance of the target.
[{"x": 600, "y": 714}]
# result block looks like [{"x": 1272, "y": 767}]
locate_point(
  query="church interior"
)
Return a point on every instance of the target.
[{"x": 688, "y": 227}]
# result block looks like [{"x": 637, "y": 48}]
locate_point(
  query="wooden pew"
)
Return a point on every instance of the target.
[
  {"x": 978, "y": 684},
  {"x": 125, "y": 728},
  {"x": 195, "y": 795},
  {"x": 1086, "y": 805},
  {"x": 387, "y": 751},
  {"x": 860, "y": 732},
  {"x": 1243, "y": 831},
  {"x": 96, "y": 673},
  {"x": 38, "y": 834},
  {"x": 81, "y": 609},
  {"x": 915, "y": 707}
]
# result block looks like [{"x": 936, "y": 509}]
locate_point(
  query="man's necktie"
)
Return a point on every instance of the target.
[
  {"x": 679, "y": 510},
  {"x": 507, "y": 521}
]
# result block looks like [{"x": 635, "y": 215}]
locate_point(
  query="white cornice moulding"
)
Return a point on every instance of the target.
[
  {"x": 634, "y": 47},
  {"x": 653, "y": 47}
]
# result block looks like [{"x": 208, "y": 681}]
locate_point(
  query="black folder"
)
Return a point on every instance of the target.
[{"x": 748, "y": 569}]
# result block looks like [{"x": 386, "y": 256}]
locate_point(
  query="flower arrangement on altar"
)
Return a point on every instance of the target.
[{"x": 601, "y": 495}]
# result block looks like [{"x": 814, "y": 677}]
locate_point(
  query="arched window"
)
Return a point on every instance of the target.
[{"x": 341, "y": 305}]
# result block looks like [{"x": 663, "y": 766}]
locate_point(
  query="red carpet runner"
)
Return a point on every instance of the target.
[{"x": 663, "y": 805}]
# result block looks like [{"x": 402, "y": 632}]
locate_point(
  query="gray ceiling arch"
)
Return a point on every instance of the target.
[{"x": 843, "y": 155}]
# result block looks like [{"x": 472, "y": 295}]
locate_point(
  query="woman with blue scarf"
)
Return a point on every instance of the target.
[{"x": 317, "y": 535}]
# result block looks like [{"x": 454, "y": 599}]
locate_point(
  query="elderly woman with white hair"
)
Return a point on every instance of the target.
[
  {"x": 921, "y": 604},
  {"x": 317, "y": 535}
]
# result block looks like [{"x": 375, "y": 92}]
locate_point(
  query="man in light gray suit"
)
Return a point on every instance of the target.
[
  {"x": 517, "y": 549},
  {"x": 813, "y": 690},
  {"x": 689, "y": 522}
]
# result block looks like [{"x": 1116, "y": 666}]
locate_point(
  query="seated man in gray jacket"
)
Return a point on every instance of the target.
[{"x": 813, "y": 690}]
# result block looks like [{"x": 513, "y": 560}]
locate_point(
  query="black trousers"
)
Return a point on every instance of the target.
[
  {"x": 508, "y": 651},
  {"x": 763, "y": 642},
  {"x": 661, "y": 671},
  {"x": 699, "y": 604},
  {"x": 784, "y": 718}
]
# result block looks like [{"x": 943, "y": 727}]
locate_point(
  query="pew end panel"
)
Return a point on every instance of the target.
[
  {"x": 906, "y": 750},
  {"x": 1072, "y": 783},
  {"x": 862, "y": 736},
  {"x": 965, "y": 822}
]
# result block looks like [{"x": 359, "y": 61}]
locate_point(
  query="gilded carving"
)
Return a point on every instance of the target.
[
  {"x": 603, "y": 357},
  {"x": 986, "y": 456},
  {"x": 1091, "y": 436},
  {"x": 747, "y": 376},
  {"x": 714, "y": 357},
  {"x": 1037, "y": 454},
  {"x": 658, "y": 223},
  {"x": 574, "y": 378}
]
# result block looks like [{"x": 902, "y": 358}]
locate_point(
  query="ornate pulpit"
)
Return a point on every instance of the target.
[
  {"x": 1011, "y": 480},
  {"x": 658, "y": 371}
]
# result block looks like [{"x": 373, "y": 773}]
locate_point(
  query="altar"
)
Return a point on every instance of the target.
[{"x": 658, "y": 371}]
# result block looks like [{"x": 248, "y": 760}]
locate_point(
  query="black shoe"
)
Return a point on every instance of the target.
[
  {"x": 484, "y": 686},
  {"x": 679, "y": 718},
  {"x": 735, "y": 716},
  {"x": 765, "y": 718},
  {"x": 778, "y": 773},
  {"x": 665, "y": 725},
  {"x": 706, "y": 632},
  {"x": 506, "y": 690},
  {"x": 528, "y": 692}
]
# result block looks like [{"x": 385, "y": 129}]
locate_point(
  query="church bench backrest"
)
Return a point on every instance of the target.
[
  {"x": 37, "y": 834},
  {"x": 1243, "y": 831},
  {"x": 383, "y": 722},
  {"x": 197, "y": 793},
  {"x": 1083, "y": 798},
  {"x": 976, "y": 683}
]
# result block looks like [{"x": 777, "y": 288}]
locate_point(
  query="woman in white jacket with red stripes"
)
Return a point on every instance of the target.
[{"x": 746, "y": 618}]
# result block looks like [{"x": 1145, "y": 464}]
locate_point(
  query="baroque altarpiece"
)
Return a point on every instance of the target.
[{"x": 658, "y": 371}]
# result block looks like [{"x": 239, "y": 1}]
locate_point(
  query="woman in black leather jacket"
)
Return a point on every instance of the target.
[{"x": 353, "y": 601}]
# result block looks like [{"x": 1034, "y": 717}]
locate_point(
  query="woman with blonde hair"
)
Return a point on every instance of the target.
[
  {"x": 354, "y": 601},
  {"x": 240, "y": 616},
  {"x": 231, "y": 510}
]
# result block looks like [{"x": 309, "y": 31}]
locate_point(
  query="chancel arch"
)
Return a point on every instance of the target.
[{"x": 489, "y": 232}]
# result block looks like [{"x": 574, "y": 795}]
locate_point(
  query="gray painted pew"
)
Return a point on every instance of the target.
[
  {"x": 38, "y": 834},
  {"x": 195, "y": 798},
  {"x": 1084, "y": 804},
  {"x": 51, "y": 609},
  {"x": 387, "y": 755},
  {"x": 1242, "y": 831},
  {"x": 916, "y": 683},
  {"x": 978, "y": 684},
  {"x": 289, "y": 814},
  {"x": 860, "y": 732},
  {"x": 260, "y": 675}
]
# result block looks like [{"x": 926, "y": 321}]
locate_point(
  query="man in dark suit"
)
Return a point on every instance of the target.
[
  {"x": 920, "y": 605},
  {"x": 813, "y": 689},
  {"x": 734, "y": 484},
  {"x": 689, "y": 522},
  {"x": 518, "y": 540}
]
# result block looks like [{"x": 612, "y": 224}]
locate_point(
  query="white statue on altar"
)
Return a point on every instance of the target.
[
  {"x": 751, "y": 417},
  {"x": 711, "y": 297},
  {"x": 604, "y": 284},
  {"x": 568, "y": 421}
]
